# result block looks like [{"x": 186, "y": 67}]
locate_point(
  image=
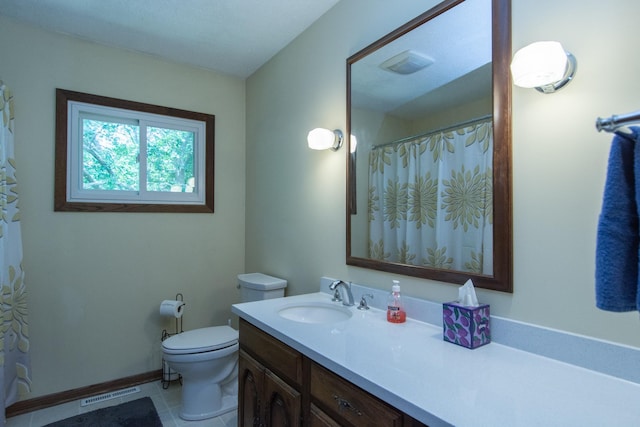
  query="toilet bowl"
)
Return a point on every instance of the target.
[{"x": 207, "y": 359}]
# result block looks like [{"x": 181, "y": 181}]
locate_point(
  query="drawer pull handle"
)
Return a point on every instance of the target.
[{"x": 344, "y": 404}]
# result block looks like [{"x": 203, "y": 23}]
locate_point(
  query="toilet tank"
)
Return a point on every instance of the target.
[{"x": 258, "y": 286}]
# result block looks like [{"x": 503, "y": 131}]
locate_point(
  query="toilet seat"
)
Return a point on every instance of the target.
[{"x": 201, "y": 340}]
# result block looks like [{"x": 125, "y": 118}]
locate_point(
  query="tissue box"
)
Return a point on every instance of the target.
[{"x": 466, "y": 326}]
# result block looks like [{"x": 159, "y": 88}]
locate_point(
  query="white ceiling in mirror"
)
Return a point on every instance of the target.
[{"x": 457, "y": 62}]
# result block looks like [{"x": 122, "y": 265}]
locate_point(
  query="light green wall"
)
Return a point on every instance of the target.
[
  {"x": 95, "y": 280},
  {"x": 296, "y": 197}
]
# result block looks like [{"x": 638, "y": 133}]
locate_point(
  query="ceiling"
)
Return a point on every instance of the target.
[
  {"x": 234, "y": 37},
  {"x": 458, "y": 44}
]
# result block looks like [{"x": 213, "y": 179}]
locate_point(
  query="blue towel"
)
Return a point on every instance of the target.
[{"x": 617, "y": 240}]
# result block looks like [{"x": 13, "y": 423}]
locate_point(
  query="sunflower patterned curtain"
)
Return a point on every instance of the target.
[
  {"x": 14, "y": 330},
  {"x": 431, "y": 200}
]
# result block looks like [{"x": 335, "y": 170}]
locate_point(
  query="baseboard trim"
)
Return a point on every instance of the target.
[{"x": 42, "y": 402}]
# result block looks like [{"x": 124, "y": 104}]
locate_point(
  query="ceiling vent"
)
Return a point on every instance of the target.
[{"x": 407, "y": 62}]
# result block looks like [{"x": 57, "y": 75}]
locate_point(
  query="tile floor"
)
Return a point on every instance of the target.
[{"x": 167, "y": 404}]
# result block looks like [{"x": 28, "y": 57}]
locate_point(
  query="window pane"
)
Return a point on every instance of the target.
[
  {"x": 170, "y": 158},
  {"x": 125, "y": 156},
  {"x": 110, "y": 155}
]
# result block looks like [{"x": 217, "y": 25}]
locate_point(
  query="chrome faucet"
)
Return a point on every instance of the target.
[
  {"x": 363, "y": 302},
  {"x": 345, "y": 290}
]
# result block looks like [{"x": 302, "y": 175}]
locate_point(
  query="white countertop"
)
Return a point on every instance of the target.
[{"x": 410, "y": 366}]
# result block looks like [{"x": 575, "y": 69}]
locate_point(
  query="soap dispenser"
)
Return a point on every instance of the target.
[{"x": 395, "y": 309}]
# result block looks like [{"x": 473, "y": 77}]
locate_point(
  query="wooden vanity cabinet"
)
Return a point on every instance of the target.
[
  {"x": 269, "y": 381},
  {"x": 317, "y": 418},
  {"x": 279, "y": 387},
  {"x": 263, "y": 398},
  {"x": 348, "y": 404},
  {"x": 250, "y": 391}
]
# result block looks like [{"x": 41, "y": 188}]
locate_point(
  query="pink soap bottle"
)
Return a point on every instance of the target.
[{"x": 395, "y": 310}]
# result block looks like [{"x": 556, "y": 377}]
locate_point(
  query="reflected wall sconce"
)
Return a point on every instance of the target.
[
  {"x": 322, "y": 139},
  {"x": 545, "y": 66}
]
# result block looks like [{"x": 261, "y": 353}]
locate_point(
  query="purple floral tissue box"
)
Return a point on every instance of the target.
[{"x": 466, "y": 326}]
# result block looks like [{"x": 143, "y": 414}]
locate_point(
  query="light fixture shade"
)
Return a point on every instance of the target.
[
  {"x": 545, "y": 66},
  {"x": 322, "y": 139}
]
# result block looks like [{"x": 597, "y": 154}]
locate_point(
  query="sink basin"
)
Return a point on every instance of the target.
[{"x": 315, "y": 312}]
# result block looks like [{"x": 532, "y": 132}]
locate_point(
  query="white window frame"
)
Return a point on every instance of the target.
[{"x": 76, "y": 198}]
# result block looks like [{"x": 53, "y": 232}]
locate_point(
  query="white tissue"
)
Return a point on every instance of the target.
[
  {"x": 467, "y": 295},
  {"x": 172, "y": 308}
]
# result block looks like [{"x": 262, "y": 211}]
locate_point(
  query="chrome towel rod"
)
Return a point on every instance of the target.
[{"x": 613, "y": 123}]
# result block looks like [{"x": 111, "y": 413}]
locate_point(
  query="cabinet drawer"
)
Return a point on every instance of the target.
[
  {"x": 344, "y": 401},
  {"x": 279, "y": 357},
  {"x": 317, "y": 418}
]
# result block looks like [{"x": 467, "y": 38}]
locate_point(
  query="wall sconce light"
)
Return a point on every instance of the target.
[
  {"x": 545, "y": 66},
  {"x": 322, "y": 139}
]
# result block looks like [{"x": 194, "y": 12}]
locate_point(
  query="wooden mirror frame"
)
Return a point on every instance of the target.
[{"x": 502, "y": 278}]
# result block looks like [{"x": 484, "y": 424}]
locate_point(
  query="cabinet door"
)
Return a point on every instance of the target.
[
  {"x": 250, "y": 391},
  {"x": 283, "y": 403}
]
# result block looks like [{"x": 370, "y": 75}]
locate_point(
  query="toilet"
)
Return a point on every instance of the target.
[{"x": 207, "y": 358}]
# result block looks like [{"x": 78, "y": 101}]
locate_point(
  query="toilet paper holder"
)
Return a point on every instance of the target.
[
  {"x": 169, "y": 374},
  {"x": 165, "y": 334}
]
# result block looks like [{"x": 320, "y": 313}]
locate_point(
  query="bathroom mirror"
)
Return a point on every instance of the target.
[{"x": 429, "y": 165}]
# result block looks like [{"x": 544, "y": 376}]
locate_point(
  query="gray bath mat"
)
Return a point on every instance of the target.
[{"x": 137, "y": 413}]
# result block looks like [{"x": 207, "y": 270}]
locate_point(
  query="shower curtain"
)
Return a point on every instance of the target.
[
  {"x": 14, "y": 331},
  {"x": 431, "y": 199}
]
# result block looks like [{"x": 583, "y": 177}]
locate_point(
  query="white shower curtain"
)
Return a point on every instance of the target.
[
  {"x": 15, "y": 364},
  {"x": 431, "y": 198}
]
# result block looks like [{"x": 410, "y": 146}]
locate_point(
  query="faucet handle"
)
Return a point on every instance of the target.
[{"x": 363, "y": 302}]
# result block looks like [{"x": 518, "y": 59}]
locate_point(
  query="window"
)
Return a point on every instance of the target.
[{"x": 122, "y": 156}]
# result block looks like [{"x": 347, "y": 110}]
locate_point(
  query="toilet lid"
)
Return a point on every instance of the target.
[{"x": 201, "y": 340}]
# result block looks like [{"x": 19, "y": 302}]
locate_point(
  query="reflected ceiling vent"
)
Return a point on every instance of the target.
[{"x": 407, "y": 62}]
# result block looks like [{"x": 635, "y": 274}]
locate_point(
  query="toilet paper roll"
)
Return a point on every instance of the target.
[{"x": 172, "y": 308}]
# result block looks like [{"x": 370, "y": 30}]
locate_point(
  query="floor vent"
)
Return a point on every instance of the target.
[{"x": 108, "y": 396}]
